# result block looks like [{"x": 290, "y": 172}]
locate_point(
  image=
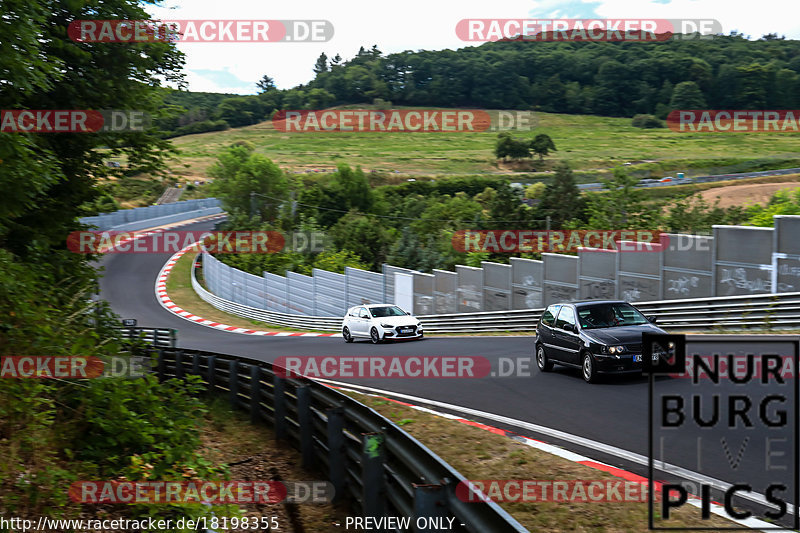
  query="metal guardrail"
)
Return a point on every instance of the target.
[
  {"x": 139, "y": 217},
  {"x": 159, "y": 337},
  {"x": 762, "y": 311},
  {"x": 371, "y": 462},
  {"x": 700, "y": 179}
]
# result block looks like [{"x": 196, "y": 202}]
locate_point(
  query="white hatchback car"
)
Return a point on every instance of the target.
[{"x": 379, "y": 322}]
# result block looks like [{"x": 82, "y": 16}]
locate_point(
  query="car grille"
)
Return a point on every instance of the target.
[
  {"x": 634, "y": 348},
  {"x": 413, "y": 329}
]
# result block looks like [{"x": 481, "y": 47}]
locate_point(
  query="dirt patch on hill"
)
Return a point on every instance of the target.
[{"x": 753, "y": 193}]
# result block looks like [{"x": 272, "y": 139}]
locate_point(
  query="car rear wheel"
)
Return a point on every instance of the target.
[
  {"x": 587, "y": 368},
  {"x": 346, "y": 335},
  {"x": 542, "y": 361},
  {"x": 374, "y": 336}
]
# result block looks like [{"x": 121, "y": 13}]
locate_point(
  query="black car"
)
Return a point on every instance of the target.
[{"x": 596, "y": 336}]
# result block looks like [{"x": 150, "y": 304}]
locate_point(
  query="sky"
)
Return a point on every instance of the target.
[{"x": 417, "y": 25}]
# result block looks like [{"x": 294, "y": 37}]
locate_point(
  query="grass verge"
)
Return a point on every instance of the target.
[{"x": 179, "y": 287}]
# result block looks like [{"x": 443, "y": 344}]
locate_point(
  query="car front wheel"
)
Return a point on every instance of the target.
[
  {"x": 542, "y": 361},
  {"x": 375, "y": 336},
  {"x": 587, "y": 368},
  {"x": 346, "y": 335}
]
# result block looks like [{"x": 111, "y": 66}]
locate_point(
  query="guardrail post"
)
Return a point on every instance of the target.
[
  {"x": 279, "y": 399},
  {"x": 306, "y": 428},
  {"x": 233, "y": 381},
  {"x": 255, "y": 393},
  {"x": 179, "y": 373},
  {"x": 336, "y": 451},
  {"x": 212, "y": 373},
  {"x": 196, "y": 364},
  {"x": 173, "y": 336},
  {"x": 373, "y": 481},
  {"x": 161, "y": 365},
  {"x": 430, "y": 501}
]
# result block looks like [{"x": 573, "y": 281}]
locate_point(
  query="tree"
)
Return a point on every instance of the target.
[
  {"x": 318, "y": 99},
  {"x": 513, "y": 147},
  {"x": 266, "y": 84},
  {"x": 753, "y": 82},
  {"x": 337, "y": 261},
  {"x": 355, "y": 188},
  {"x": 621, "y": 205},
  {"x": 687, "y": 95},
  {"x": 646, "y": 122},
  {"x": 562, "y": 200},
  {"x": 535, "y": 190},
  {"x": 242, "y": 110},
  {"x": 406, "y": 252},
  {"x": 448, "y": 214},
  {"x": 363, "y": 236},
  {"x": 47, "y": 177},
  {"x": 247, "y": 182},
  {"x": 502, "y": 147},
  {"x": 542, "y": 144},
  {"x": 321, "y": 65}
]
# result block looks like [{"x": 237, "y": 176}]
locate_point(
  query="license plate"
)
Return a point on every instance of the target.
[
  {"x": 406, "y": 330},
  {"x": 637, "y": 358}
]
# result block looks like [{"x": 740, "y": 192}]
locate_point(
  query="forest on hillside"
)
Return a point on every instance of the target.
[{"x": 600, "y": 78}]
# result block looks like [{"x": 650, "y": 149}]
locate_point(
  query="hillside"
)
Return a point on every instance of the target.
[{"x": 590, "y": 144}]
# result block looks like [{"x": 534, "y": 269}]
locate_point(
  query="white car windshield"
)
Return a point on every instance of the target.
[{"x": 378, "y": 312}]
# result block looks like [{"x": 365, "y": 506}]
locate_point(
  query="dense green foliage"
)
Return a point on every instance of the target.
[
  {"x": 412, "y": 224},
  {"x": 53, "y": 432},
  {"x": 646, "y": 121}
]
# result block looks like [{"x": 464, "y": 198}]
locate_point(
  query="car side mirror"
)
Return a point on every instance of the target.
[
  {"x": 652, "y": 319},
  {"x": 408, "y": 312},
  {"x": 568, "y": 327}
]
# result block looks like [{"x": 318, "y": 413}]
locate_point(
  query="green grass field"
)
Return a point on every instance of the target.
[{"x": 590, "y": 144}]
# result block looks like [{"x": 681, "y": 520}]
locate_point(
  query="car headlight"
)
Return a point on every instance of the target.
[
  {"x": 389, "y": 326},
  {"x": 616, "y": 349}
]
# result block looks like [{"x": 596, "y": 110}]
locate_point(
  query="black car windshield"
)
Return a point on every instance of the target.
[
  {"x": 378, "y": 312},
  {"x": 609, "y": 316}
]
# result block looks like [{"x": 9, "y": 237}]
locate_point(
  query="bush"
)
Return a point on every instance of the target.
[
  {"x": 200, "y": 127},
  {"x": 646, "y": 122}
]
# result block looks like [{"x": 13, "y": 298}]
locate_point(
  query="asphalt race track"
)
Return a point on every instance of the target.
[{"x": 613, "y": 412}]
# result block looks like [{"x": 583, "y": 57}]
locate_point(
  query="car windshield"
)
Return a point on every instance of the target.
[
  {"x": 378, "y": 312},
  {"x": 609, "y": 316}
]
